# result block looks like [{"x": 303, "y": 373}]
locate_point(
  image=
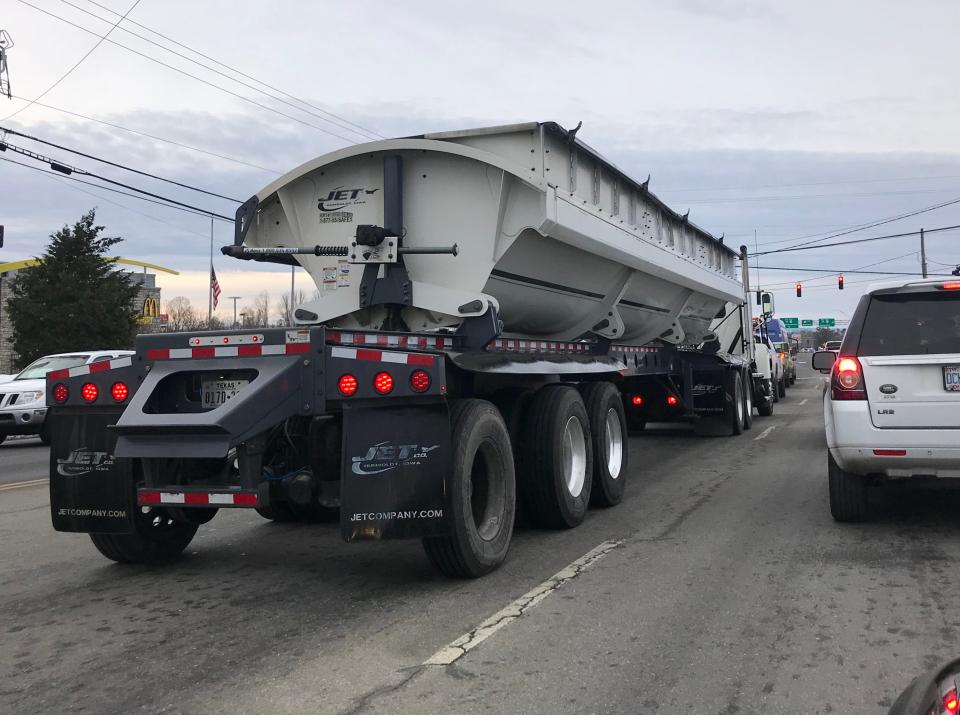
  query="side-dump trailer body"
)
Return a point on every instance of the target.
[{"x": 402, "y": 404}]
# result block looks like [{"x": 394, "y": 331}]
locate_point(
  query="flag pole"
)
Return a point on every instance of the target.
[{"x": 210, "y": 281}]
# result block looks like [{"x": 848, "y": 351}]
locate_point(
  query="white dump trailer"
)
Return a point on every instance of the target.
[{"x": 497, "y": 310}]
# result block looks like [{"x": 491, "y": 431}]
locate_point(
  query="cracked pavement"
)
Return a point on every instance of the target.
[{"x": 722, "y": 586}]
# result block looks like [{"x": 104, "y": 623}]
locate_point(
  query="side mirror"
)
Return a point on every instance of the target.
[
  {"x": 823, "y": 360},
  {"x": 766, "y": 303}
]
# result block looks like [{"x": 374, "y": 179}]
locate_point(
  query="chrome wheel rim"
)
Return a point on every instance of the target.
[
  {"x": 574, "y": 452},
  {"x": 614, "y": 439},
  {"x": 739, "y": 398}
]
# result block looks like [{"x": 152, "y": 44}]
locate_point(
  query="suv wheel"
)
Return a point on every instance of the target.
[{"x": 848, "y": 493}]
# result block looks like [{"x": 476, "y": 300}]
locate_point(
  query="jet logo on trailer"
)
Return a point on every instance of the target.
[
  {"x": 83, "y": 461},
  {"x": 384, "y": 456},
  {"x": 340, "y": 198}
]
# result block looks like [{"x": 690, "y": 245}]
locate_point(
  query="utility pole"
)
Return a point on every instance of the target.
[
  {"x": 210, "y": 281},
  {"x": 234, "y": 298},
  {"x": 923, "y": 255},
  {"x": 293, "y": 277}
]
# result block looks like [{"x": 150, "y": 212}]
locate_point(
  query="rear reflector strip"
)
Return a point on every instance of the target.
[
  {"x": 537, "y": 346},
  {"x": 227, "y": 351},
  {"x": 162, "y": 497},
  {"x": 382, "y": 356},
  {"x": 399, "y": 341},
  {"x": 91, "y": 368},
  {"x": 890, "y": 452}
]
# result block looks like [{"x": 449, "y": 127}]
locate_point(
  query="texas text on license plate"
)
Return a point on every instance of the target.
[
  {"x": 951, "y": 378},
  {"x": 217, "y": 392}
]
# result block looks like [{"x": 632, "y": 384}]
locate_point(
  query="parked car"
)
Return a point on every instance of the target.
[
  {"x": 23, "y": 407},
  {"x": 892, "y": 406}
]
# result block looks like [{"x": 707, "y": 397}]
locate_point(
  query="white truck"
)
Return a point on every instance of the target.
[{"x": 498, "y": 308}]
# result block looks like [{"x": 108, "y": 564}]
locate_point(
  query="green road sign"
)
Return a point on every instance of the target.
[
  {"x": 828, "y": 322},
  {"x": 806, "y": 323},
  {"x": 791, "y": 322}
]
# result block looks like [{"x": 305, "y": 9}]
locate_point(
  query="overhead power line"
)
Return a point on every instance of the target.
[
  {"x": 814, "y": 282},
  {"x": 342, "y": 122},
  {"x": 118, "y": 166},
  {"x": 239, "y": 96},
  {"x": 833, "y": 271},
  {"x": 67, "y": 169},
  {"x": 61, "y": 175},
  {"x": 155, "y": 137},
  {"x": 856, "y": 240},
  {"x": 66, "y": 74},
  {"x": 861, "y": 227}
]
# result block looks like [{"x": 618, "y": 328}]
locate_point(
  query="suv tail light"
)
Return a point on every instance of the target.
[{"x": 846, "y": 381}]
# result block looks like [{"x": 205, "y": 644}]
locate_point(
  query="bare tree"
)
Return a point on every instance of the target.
[
  {"x": 261, "y": 310},
  {"x": 182, "y": 315},
  {"x": 285, "y": 309}
]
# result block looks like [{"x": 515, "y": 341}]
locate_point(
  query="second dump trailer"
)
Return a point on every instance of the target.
[{"x": 497, "y": 310}]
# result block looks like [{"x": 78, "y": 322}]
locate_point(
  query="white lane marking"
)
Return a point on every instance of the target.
[
  {"x": 802, "y": 402},
  {"x": 765, "y": 433},
  {"x": 23, "y": 485},
  {"x": 505, "y": 616}
]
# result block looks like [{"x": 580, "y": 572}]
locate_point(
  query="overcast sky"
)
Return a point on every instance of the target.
[{"x": 789, "y": 119}]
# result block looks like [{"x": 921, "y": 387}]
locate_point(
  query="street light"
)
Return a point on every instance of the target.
[{"x": 234, "y": 298}]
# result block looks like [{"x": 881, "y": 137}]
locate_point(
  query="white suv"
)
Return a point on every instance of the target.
[{"x": 892, "y": 408}]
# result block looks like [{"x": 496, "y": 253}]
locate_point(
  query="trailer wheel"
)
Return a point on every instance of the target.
[
  {"x": 734, "y": 407},
  {"x": 482, "y": 493},
  {"x": 156, "y": 537},
  {"x": 277, "y": 511},
  {"x": 747, "y": 405},
  {"x": 608, "y": 424},
  {"x": 557, "y": 464}
]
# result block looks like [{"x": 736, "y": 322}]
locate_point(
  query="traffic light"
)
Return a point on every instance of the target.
[
  {"x": 840, "y": 282},
  {"x": 799, "y": 290}
]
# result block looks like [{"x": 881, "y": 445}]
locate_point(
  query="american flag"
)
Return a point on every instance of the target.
[{"x": 214, "y": 287}]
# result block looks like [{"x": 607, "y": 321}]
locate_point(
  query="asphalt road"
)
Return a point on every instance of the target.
[{"x": 723, "y": 587}]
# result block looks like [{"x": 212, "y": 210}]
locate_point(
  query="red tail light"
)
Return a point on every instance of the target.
[
  {"x": 636, "y": 400},
  {"x": 951, "y": 285},
  {"x": 672, "y": 400},
  {"x": 90, "y": 392},
  {"x": 890, "y": 452},
  {"x": 847, "y": 380},
  {"x": 420, "y": 381},
  {"x": 119, "y": 391},
  {"x": 383, "y": 382},
  {"x": 783, "y": 356},
  {"x": 60, "y": 392},
  {"x": 951, "y": 702},
  {"x": 347, "y": 384}
]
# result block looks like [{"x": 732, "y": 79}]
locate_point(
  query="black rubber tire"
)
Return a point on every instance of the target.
[
  {"x": 734, "y": 403},
  {"x": 478, "y": 438},
  {"x": 782, "y": 388},
  {"x": 747, "y": 401},
  {"x": 765, "y": 407},
  {"x": 849, "y": 494},
  {"x": 547, "y": 500},
  {"x": 156, "y": 538},
  {"x": 600, "y": 398},
  {"x": 45, "y": 433},
  {"x": 277, "y": 511}
]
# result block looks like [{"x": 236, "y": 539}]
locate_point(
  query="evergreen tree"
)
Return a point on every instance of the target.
[{"x": 74, "y": 299}]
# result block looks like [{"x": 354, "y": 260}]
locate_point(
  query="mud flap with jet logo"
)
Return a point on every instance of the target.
[
  {"x": 90, "y": 490},
  {"x": 394, "y": 472}
]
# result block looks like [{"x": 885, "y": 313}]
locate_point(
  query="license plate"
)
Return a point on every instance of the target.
[
  {"x": 951, "y": 378},
  {"x": 218, "y": 392}
]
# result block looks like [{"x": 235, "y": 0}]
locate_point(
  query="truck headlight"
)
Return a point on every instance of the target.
[{"x": 25, "y": 398}]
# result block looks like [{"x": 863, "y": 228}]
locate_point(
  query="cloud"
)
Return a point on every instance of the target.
[{"x": 730, "y": 10}]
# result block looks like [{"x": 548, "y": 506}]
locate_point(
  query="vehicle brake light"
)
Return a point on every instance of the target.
[
  {"x": 383, "y": 382},
  {"x": 90, "y": 392},
  {"x": 636, "y": 400},
  {"x": 60, "y": 392},
  {"x": 420, "y": 381},
  {"x": 347, "y": 384},
  {"x": 672, "y": 400},
  {"x": 890, "y": 452},
  {"x": 847, "y": 381},
  {"x": 951, "y": 285},
  {"x": 119, "y": 391},
  {"x": 783, "y": 356},
  {"x": 951, "y": 702}
]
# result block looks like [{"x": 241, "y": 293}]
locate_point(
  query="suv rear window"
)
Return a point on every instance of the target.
[{"x": 911, "y": 324}]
